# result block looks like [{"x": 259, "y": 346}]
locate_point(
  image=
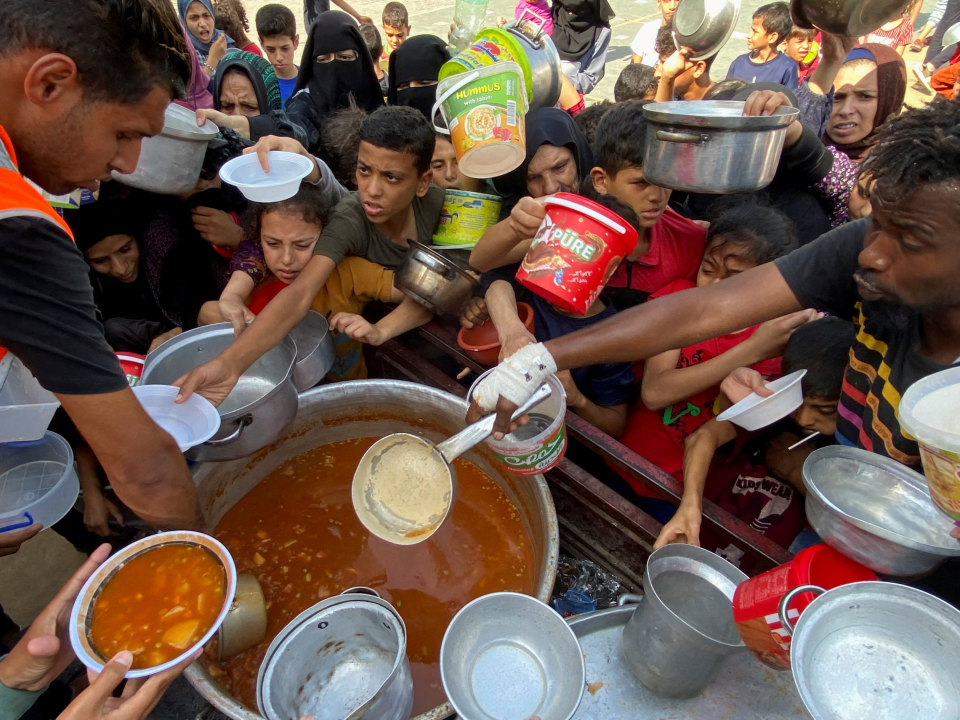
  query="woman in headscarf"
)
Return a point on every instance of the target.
[
  {"x": 414, "y": 72},
  {"x": 210, "y": 43},
  {"x": 336, "y": 67},
  {"x": 558, "y": 159},
  {"x": 581, "y": 32}
]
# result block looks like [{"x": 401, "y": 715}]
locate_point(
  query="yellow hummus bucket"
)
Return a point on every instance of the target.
[
  {"x": 484, "y": 112},
  {"x": 465, "y": 217}
]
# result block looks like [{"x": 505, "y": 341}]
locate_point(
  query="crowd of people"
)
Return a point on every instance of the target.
[{"x": 844, "y": 266}]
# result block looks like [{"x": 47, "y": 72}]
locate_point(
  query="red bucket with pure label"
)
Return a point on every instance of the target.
[
  {"x": 756, "y": 601},
  {"x": 132, "y": 366},
  {"x": 575, "y": 252}
]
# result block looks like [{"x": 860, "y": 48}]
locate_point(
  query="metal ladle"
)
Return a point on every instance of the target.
[{"x": 404, "y": 486}]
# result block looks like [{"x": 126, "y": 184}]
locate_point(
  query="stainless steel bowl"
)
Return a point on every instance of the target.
[
  {"x": 878, "y": 650},
  {"x": 258, "y": 409},
  {"x": 315, "y": 351},
  {"x": 434, "y": 281},
  {"x": 845, "y": 17},
  {"x": 876, "y": 511},
  {"x": 704, "y": 26},
  {"x": 509, "y": 655}
]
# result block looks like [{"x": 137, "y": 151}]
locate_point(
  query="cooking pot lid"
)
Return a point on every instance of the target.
[
  {"x": 181, "y": 122},
  {"x": 724, "y": 114}
]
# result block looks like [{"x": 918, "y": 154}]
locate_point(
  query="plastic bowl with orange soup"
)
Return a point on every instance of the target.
[{"x": 160, "y": 598}]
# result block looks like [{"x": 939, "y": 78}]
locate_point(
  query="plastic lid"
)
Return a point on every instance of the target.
[{"x": 915, "y": 408}]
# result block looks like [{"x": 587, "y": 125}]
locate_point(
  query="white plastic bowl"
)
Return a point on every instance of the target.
[
  {"x": 38, "y": 482},
  {"x": 81, "y": 614},
  {"x": 190, "y": 423},
  {"x": 281, "y": 183},
  {"x": 755, "y": 412}
]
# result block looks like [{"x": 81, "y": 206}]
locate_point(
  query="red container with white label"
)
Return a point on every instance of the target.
[
  {"x": 756, "y": 601},
  {"x": 575, "y": 252},
  {"x": 132, "y": 366}
]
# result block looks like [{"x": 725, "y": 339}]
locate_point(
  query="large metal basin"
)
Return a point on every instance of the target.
[{"x": 365, "y": 408}]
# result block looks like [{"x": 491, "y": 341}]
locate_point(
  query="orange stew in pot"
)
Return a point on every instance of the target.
[{"x": 158, "y": 604}]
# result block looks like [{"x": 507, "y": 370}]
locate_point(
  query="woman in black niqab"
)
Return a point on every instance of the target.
[{"x": 414, "y": 72}]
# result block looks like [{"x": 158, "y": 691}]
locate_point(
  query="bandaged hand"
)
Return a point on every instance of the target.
[{"x": 516, "y": 378}]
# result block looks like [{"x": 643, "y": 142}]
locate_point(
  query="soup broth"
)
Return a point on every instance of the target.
[
  {"x": 298, "y": 534},
  {"x": 158, "y": 604}
]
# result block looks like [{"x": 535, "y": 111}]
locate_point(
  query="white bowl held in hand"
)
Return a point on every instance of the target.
[
  {"x": 190, "y": 423},
  {"x": 281, "y": 183},
  {"x": 755, "y": 412}
]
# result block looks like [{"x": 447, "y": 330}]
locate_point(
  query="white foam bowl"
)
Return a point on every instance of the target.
[
  {"x": 190, "y": 423},
  {"x": 281, "y": 183},
  {"x": 755, "y": 412}
]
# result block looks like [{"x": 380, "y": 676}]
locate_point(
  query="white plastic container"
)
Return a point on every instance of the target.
[
  {"x": 930, "y": 412},
  {"x": 25, "y": 408},
  {"x": 190, "y": 423},
  {"x": 755, "y": 412},
  {"x": 281, "y": 183},
  {"x": 38, "y": 482}
]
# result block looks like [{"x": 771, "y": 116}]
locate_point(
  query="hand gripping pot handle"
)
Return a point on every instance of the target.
[
  {"x": 682, "y": 137},
  {"x": 468, "y": 78},
  {"x": 789, "y": 597}
]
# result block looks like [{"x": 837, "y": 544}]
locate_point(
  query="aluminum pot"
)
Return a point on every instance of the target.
[
  {"x": 345, "y": 658},
  {"x": 710, "y": 147},
  {"x": 684, "y": 628},
  {"x": 704, "y": 26},
  {"x": 170, "y": 162},
  {"x": 315, "y": 351},
  {"x": 542, "y": 59},
  {"x": 845, "y": 17},
  {"x": 433, "y": 280},
  {"x": 875, "y": 650},
  {"x": 371, "y": 408},
  {"x": 258, "y": 409}
]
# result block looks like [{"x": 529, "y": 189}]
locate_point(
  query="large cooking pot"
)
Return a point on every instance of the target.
[
  {"x": 365, "y": 408},
  {"x": 845, "y": 17},
  {"x": 433, "y": 280},
  {"x": 710, "y": 147},
  {"x": 170, "y": 162},
  {"x": 258, "y": 409}
]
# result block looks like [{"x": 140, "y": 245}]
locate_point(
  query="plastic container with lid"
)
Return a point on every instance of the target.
[
  {"x": 26, "y": 408},
  {"x": 38, "y": 482}
]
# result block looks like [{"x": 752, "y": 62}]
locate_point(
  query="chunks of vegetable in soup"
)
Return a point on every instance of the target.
[{"x": 158, "y": 604}]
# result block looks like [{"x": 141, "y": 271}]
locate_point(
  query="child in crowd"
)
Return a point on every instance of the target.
[
  {"x": 644, "y": 45},
  {"x": 287, "y": 233},
  {"x": 396, "y": 26},
  {"x": 758, "y": 478},
  {"x": 373, "y": 41},
  {"x": 681, "y": 388},
  {"x": 896, "y": 34},
  {"x": 445, "y": 173},
  {"x": 670, "y": 246},
  {"x": 340, "y": 142},
  {"x": 209, "y": 42},
  {"x": 588, "y": 120},
  {"x": 277, "y": 28},
  {"x": 678, "y": 77},
  {"x": 232, "y": 19},
  {"x": 636, "y": 82},
  {"x": 597, "y": 393},
  {"x": 764, "y": 63},
  {"x": 802, "y": 47}
]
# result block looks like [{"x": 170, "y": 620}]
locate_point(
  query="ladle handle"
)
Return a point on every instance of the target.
[{"x": 478, "y": 432}]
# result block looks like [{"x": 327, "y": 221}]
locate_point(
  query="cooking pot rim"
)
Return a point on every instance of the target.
[{"x": 682, "y": 113}]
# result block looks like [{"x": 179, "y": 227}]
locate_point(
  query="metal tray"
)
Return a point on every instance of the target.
[{"x": 744, "y": 688}]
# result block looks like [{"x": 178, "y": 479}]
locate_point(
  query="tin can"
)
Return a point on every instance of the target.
[{"x": 465, "y": 217}]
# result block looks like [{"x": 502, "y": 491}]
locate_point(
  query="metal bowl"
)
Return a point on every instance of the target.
[
  {"x": 509, "y": 655},
  {"x": 844, "y": 17},
  {"x": 876, "y": 511},
  {"x": 704, "y": 26},
  {"x": 434, "y": 281},
  {"x": 878, "y": 650},
  {"x": 315, "y": 351}
]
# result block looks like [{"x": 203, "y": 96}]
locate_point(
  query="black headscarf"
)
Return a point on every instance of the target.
[
  {"x": 545, "y": 126},
  {"x": 419, "y": 58},
  {"x": 574, "y": 34},
  {"x": 331, "y": 84}
]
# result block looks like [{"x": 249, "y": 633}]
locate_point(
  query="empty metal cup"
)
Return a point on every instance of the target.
[
  {"x": 675, "y": 641},
  {"x": 343, "y": 658}
]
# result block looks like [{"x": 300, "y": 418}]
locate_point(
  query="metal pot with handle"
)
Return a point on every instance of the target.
[
  {"x": 542, "y": 59},
  {"x": 711, "y": 147},
  {"x": 258, "y": 409},
  {"x": 850, "y": 17},
  {"x": 433, "y": 280}
]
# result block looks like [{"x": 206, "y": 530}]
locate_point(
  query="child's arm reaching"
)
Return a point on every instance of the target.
[
  {"x": 232, "y": 305},
  {"x": 508, "y": 241},
  {"x": 409, "y": 314},
  {"x": 698, "y": 453},
  {"x": 608, "y": 418},
  {"x": 502, "y": 308},
  {"x": 665, "y": 384}
]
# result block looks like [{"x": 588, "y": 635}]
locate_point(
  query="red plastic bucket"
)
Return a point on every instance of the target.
[
  {"x": 132, "y": 366},
  {"x": 575, "y": 252},
  {"x": 755, "y": 601}
]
